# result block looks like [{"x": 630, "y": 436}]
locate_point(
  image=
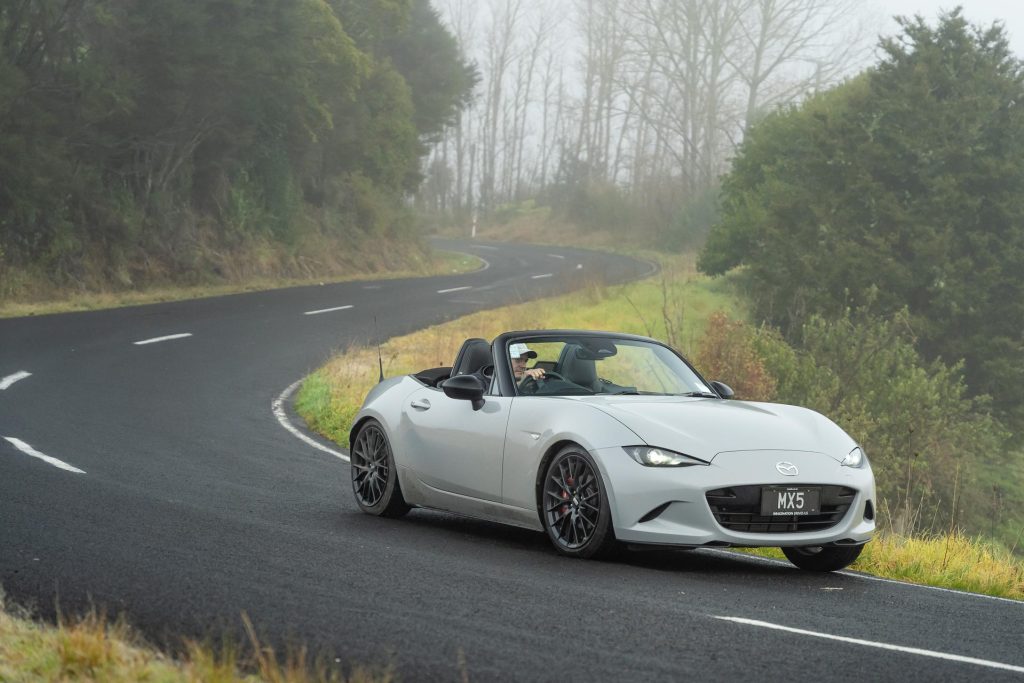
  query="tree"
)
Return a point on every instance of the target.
[
  {"x": 156, "y": 133},
  {"x": 904, "y": 187}
]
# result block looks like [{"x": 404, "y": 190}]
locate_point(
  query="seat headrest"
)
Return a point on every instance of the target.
[
  {"x": 474, "y": 355},
  {"x": 582, "y": 371}
]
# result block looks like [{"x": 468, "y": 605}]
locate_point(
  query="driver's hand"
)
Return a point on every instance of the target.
[{"x": 534, "y": 373}]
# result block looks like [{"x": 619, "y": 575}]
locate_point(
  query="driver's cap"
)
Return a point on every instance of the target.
[{"x": 519, "y": 350}]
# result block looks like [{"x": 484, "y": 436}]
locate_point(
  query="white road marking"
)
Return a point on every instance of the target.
[
  {"x": 154, "y": 340},
  {"x": 557, "y": 256},
  {"x": 28, "y": 450},
  {"x": 371, "y": 286},
  {"x": 541, "y": 277},
  {"x": 859, "y": 575},
  {"x": 328, "y": 310},
  {"x": 882, "y": 646},
  {"x": 653, "y": 269},
  {"x": 485, "y": 246},
  {"x": 277, "y": 406},
  {"x": 11, "y": 379},
  {"x": 579, "y": 266},
  {"x": 453, "y": 289}
]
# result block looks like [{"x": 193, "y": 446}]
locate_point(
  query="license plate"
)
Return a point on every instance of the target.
[{"x": 789, "y": 501}]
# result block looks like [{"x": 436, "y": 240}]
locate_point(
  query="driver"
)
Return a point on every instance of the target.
[{"x": 519, "y": 354}]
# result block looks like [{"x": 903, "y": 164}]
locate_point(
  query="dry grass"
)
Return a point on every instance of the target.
[
  {"x": 951, "y": 560},
  {"x": 538, "y": 228},
  {"x": 94, "y": 648},
  {"x": 49, "y": 300}
]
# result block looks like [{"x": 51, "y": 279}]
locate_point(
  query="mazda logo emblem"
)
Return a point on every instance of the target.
[{"x": 787, "y": 468}]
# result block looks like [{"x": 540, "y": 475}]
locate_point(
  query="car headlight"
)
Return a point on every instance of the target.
[
  {"x": 659, "y": 457},
  {"x": 855, "y": 458}
]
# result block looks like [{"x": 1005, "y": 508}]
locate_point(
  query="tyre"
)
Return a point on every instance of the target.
[
  {"x": 823, "y": 558},
  {"x": 574, "y": 505},
  {"x": 374, "y": 475}
]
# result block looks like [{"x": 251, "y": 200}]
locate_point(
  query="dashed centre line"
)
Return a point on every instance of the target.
[
  {"x": 882, "y": 646},
  {"x": 557, "y": 256},
  {"x": 11, "y": 379},
  {"x": 169, "y": 337},
  {"x": 28, "y": 450},
  {"x": 328, "y": 310},
  {"x": 541, "y": 277},
  {"x": 453, "y": 289}
]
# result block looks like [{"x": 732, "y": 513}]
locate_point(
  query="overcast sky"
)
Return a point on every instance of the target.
[{"x": 1010, "y": 12}]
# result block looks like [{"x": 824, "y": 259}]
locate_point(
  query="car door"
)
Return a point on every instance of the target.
[{"x": 454, "y": 448}]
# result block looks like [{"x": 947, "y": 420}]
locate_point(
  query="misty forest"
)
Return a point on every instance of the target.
[{"x": 863, "y": 195}]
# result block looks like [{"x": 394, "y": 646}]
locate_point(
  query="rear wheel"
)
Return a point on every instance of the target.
[
  {"x": 818, "y": 558},
  {"x": 374, "y": 475},
  {"x": 574, "y": 505}
]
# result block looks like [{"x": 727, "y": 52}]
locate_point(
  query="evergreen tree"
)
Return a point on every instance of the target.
[{"x": 903, "y": 187}]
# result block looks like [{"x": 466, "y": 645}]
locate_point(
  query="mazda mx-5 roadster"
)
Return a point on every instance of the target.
[{"x": 603, "y": 440}]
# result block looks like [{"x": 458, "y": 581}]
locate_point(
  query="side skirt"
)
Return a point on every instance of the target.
[{"x": 418, "y": 493}]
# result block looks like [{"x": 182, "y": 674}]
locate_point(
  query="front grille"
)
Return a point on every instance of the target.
[{"x": 738, "y": 508}]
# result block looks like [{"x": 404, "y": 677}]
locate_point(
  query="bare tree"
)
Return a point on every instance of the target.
[
  {"x": 499, "y": 47},
  {"x": 649, "y": 95},
  {"x": 823, "y": 36}
]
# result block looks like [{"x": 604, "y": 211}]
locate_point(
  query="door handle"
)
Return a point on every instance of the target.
[{"x": 422, "y": 404}]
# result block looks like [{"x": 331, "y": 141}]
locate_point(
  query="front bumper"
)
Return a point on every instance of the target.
[{"x": 668, "y": 505}]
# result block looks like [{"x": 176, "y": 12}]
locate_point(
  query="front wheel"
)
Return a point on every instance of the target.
[
  {"x": 817, "y": 558},
  {"x": 374, "y": 475},
  {"x": 574, "y": 505}
]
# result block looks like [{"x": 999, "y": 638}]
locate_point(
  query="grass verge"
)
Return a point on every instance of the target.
[
  {"x": 951, "y": 560},
  {"x": 439, "y": 263},
  {"x": 95, "y": 649}
]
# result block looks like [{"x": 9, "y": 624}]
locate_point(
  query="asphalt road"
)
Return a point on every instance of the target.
[{"x": 196, "y": 505}]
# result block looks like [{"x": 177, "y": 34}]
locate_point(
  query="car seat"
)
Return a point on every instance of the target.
[
  {"x": 582, "y": 371},
  {"x": 474, "y": 356}
]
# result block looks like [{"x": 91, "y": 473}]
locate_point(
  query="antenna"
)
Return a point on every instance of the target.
[{"x": 380, "y": 362}]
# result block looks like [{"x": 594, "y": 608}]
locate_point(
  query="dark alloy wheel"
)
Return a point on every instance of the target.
[
  {"x": 374, "y": 475},
  {"x": 818, "y": 558},
  {"x": 574, "y": 505}
]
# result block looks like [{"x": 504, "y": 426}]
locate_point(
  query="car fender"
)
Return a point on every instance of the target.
[
  {"x": 384, "y": 403},
  {"x": 538, "y": 427}
]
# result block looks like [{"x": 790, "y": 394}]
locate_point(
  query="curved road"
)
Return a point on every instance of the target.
[{"x": 193, "y": 505}]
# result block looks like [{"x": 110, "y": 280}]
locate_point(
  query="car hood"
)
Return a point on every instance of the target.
[{"x": 704, "y": 427}]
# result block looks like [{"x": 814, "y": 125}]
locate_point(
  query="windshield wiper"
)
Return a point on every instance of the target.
[{"x": 700, "y": 394}]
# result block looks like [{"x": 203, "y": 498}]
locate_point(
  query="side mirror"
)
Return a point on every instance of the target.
[
  {"x": 465, "y": 388},
  {"x": 723, "y": 389}
]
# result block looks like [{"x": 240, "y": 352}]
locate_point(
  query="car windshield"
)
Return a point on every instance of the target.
[{"x": 581, "y": 366}]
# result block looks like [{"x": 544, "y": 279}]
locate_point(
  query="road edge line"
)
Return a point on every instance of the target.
[
  {"x": 48, "y": 459},
  {"x": 905, "y": 649},
  {"x": 277, "y": 407}
]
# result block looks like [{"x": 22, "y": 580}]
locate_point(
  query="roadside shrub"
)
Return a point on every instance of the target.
[
  {"x": 728, "y": 352},
  {"x": 927, "y": 439}
]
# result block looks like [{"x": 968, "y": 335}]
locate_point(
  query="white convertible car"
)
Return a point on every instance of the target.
[{"x": 600, "y": 439}]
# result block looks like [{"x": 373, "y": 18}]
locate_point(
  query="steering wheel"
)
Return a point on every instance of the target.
[{"x": 529, "y": 385}]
